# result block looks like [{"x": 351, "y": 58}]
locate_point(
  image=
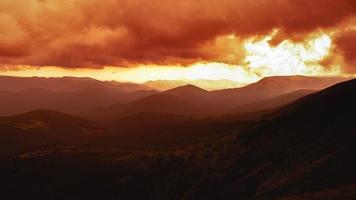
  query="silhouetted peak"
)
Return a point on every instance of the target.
[{"x": 189, "y": 89}]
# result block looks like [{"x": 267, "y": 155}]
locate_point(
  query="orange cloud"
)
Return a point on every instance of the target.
[
  {"x": 346, "y": 46},
  {"x": 96, "y": 33}
]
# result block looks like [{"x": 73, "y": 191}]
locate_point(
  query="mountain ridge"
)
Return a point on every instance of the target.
[
  {"x": 192, "y": 100},
  {"x": 305, "y": 147}
]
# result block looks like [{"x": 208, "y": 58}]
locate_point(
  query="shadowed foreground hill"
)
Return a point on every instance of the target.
[
  {"x": 43, "y": 127},
  {"x": 306, "y": 147}
]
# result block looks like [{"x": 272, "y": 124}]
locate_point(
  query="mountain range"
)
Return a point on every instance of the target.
[
  {"x": 67, "y": 94},
  {"x": 192, "y": 100},
  {"x": 302, "y": 150}
]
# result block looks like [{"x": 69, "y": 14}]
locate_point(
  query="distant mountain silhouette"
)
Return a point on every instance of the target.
[
  {"x": 68, "y": 94},
  {"x": 272, "y": 87},
  {"x": 190, "y": 99},
  {"x": 202, "y": 83},
  {"x": 10, "y": 83},
  {"x": 182, "y": 100},
  {"x": 189, "y": 91}
]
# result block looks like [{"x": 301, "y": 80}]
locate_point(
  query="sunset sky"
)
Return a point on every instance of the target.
[{"x": 142, "y": 40}]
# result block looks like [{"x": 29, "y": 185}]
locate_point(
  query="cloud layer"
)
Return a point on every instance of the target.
[{"x": 95, "y": 33}]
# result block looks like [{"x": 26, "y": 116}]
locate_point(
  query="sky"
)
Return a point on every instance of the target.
[{"x": 142, "y": 40}]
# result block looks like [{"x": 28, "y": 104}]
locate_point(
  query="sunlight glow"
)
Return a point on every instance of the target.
[
  {"x": 261, "y": 60},
  {"x": 288, "y": 58}
]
